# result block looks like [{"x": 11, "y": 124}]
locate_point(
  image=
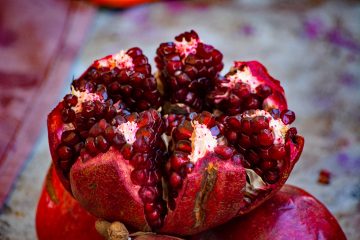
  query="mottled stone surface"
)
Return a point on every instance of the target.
[{"x": 314, "y": 49}]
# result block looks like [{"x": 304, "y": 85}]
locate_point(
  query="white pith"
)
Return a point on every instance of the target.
[
  {"x": 128, "y": 130},
  {"x": 84, "y": 97},
  {"x": 269, "y": 103},
  {"x": 120, "y": 60},
  {"x": 202, "y": 141},
  {"x": 185, "y": 48},
  {"x": 240, "y": 76},
  {"x": 278, "y": 128}
]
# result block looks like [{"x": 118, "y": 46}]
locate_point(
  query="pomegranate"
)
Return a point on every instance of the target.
[
  {"x": 291, "y": 213},
  {"x": 125, "y": 144},
  {"x": 59, "y": 215}
]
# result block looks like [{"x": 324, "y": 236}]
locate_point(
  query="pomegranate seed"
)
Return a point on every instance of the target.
[
  {"x": 65, "y": 165},
  {"x": 96, "y": 130},
  {"x": 324, "y": 177},
  {"x": 139, "y": 176},
  {"x": 70, "y": 100},
  {"x": 109, "y": 133},
  {"x": 64, "y": 152},
  {"x": 264, "y": 153},
  {"x": 184, "y": 146},
  {"x": 177, "y": 160},
  {"x": 78, "y": 147},
  {"x": 277, "y": 152},
  {"x": 207, "y": 119},
  {"x": 267, "y": 164},
  {"x": 224, "y": 152},
  {"x": 188, "y": 168},
  {"x": 246, "y": 126},
  {"x": 259, "y": 123},
  {"x": 88, "y": 109},
  {"x": 231, "y": 136},
  {"x": 147, "y": 194},
  {"x": 149, "y": 207},
  {"x": 271, "y": 176},
  {"x": 183, "y": 132},
  {"x": 68, "y": 115},
  {"x": 253, "y": 157},
  {"x": 292, "y": 132},
  {"x": 126, "y": 151},
  {"x": 263, "y": 90},
  {"x": 154, "y": 215},
  {"x": 91, "y": 146},
  {"x": 266, "y": 137},
  {"x": 70, "y": 137},
  {"x": 244, "y": 141},
  {"x": 134, "y": 52},
  {"x": 251, "y": 103},
  {"x": 101, "y": 143},
  {"x": 287, "y": 116},
  {"x": 275, "y": 113},
  {"x": 119, "y": 140},
  {"x": 175, "y": 180},
  {"x": 140, "y": 161},
  {"x": 233, "y": 122}
]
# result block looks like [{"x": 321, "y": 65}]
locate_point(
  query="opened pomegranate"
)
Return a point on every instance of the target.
[
  {"x": 291, "y": 213},
  {"x": 176, "y": 162}
]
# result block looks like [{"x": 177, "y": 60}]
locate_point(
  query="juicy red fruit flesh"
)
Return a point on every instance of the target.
[
  {"x": 124, "y": 146},
  {"x": 187, "y": 68}
]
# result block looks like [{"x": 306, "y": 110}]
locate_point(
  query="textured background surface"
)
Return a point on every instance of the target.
[{"x": 313, "y": 48}]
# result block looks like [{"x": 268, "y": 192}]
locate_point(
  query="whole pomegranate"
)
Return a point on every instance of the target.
[
  {"x": 59, "y": 216},
  {"x": 291, "y": 213},
  {"x": 179, "y": 153}
]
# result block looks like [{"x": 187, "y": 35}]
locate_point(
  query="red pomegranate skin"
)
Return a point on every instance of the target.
[
  {"x": 59, "y": 216},
  {"x": 93, "y": 184},
  {"x": 291, "y": 214}
]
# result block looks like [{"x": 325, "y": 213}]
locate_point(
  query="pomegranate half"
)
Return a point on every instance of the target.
[{"x": 178, "y": 153}]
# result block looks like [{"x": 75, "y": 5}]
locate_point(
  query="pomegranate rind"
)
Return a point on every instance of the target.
[
  {"x": 207, "y": 198},
  {"x": 277, "y": 98},
  {"x": 291, "y": 213},
  {"x": 294, "y": 150},
  {"x": 102, "y": 185},
  {"x": 59, "y": 216},
  {"x": 55, "y": 128}
]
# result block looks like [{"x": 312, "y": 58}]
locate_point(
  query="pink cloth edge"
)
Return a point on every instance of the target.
[{"x": 77, "y": 27}]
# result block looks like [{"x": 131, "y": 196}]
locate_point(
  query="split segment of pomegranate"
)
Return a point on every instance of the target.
[{"x": 126, "y": 156}]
